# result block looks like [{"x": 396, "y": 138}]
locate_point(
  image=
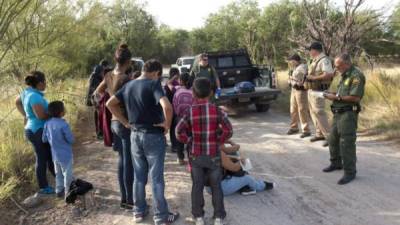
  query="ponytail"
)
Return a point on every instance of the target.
[
  {"x": 34, "y": 78},
  {"x": 122, "y": 54}
]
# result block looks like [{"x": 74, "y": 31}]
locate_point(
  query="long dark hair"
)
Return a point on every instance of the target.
[{"x": 34, "y": 78}]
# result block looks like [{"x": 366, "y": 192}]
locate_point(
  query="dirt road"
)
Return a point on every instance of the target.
[{"x": 303, "y": 196}]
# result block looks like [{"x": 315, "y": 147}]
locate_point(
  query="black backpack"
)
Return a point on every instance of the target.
[{"x": 77, "y": 187}]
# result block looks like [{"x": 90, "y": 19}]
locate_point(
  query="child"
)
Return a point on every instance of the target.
[
  {"x": 182, "y": 101},
  {"x": 58, "y": 133},
  {"x": 199, "y": 127}
]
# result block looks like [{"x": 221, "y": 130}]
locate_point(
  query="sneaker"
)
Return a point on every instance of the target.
[
  {"x": 269, "y": 185},
  {"x": 246, "y": 190},
  {"x": 172, "y": 217},
  {"x": 292, "y": 131},
  {"x": 139, "y": 217},
  {"x": 219, "y": 221},
  {"x": 306, "y": 134},
  {"x": 314, "y": 139},
  {"x": 47, "y": 191},
  {"x": 199, "y": 221}
]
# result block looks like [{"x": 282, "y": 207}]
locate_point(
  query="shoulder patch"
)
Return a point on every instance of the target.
[{"x": 356, "y": 81}]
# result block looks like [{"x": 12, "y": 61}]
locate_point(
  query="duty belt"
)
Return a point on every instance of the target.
[{"x": 354, "y": 108}]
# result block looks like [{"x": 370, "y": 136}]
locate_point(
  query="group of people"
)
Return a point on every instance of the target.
[
  {"x": 142, "y": 112},
  {"x": 309, "y": 90}
]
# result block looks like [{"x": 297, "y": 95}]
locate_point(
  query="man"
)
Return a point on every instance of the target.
[
  {"x": 319, "y": 79},
  {"x": 298, "y": 98},
  {"x": 96, "y": 77},
  {"x": 204, "y": 69},
  {"x": 345, "y": 107},
  {"x": 149, "y": 116}
]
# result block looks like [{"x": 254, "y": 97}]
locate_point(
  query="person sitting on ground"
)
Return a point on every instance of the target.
[
  {"x": 182, "y": 101},
  {"x": 170, "y": 89},
  {"x": 58, "y": 134},
  {"x": 235, "y": 178},
  {"x": 199, "y": 128}
]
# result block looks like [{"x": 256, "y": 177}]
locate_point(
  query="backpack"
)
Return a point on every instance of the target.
[
  {"x": 77, "y": 187},
  {"x": 244, "y": 87},
  {"x": 183, "y": 100}
]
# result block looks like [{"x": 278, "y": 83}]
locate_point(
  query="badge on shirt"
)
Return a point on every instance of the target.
[
  {"x": 209, "y": 70},
  {"x": 347, "y": 82},
  {"x": 356, "y": 81}
]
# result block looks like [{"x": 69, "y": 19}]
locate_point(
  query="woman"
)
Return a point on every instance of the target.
[
  {"x": 235, "y": 179},
  {"x": 113, "y": 81},
  {"x": 170, "y": 89},
  {"x": 33, "y": 106}
]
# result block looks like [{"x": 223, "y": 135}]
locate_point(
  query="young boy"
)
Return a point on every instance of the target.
[
  {"x": 205, "y": 127},
  {"x": 58, "y": 133},
  {"x": 182, "y": 101}
]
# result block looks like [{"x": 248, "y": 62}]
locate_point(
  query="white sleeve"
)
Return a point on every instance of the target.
[{"x": 326, "y": 66}]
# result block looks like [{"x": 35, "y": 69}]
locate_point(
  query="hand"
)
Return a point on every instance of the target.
[
  {"x": 218, "y": 92},
  {"x": 128, "y": 126},
  {"x": 311, "y": 78},
  {"x": 330, "y": 96},
  {"x": 163, "y": 125}
]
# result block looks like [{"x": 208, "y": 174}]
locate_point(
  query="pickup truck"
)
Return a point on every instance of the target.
[
  {"x": 234, "y": 67},
  {"x": 184, "y": 64}
]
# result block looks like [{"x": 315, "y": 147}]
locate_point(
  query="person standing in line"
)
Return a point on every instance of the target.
[
  {"x": 170, "y": 89},
  {"x": 345, "y": 107},
  {"x": 182, "y": 101},
  {"x": 149, "y": 115},
  {"x": 205, "y": 127},
  {"x": 58, "y": 134},
  {"x": 113, "y": 81},
  {"x": 298, "y": 99},
  {"x": 33, "y": 107},
  {"x": 318, "y": 80},
  {"x": 94, "y": 80}
]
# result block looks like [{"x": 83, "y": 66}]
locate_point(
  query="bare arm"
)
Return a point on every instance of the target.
[
  {"x": 101, "y": 89},
  {"x": 167, "y": 110},
  {"x": 113, "y": 104},
  {"x": 40, "y": 112},
  {"x": 349, "y": 98},
  {"x": 20, "y": 107}
]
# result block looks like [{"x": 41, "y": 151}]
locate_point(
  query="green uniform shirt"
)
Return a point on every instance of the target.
[
  {"x": 208, "y": 72},
  {"x": 351, "y": 84}
]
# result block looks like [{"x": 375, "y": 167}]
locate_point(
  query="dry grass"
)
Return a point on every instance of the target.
[
  {"x": 381, "y": 103},
  {"x": 16, "y": 154}
]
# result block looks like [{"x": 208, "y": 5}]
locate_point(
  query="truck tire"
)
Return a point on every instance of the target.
[{"x": 262, "y": 107}]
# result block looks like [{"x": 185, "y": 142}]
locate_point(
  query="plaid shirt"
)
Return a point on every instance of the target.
[{"x": 205, "y": 127}]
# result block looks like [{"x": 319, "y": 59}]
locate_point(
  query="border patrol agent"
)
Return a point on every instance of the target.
[
  {"x": 299, "y": 111},
  {"x": 318, "y": 80},
  {"x": 345, "y": 107}
]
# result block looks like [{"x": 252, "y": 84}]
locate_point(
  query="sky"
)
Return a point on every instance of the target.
[{"x": 190, "y": 14}]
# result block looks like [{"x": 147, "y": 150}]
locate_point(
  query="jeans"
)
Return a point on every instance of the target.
[
  {"x": 172, "y": 135},
  {"x": 64, "y": 176},
  {"x": 148, "y": 152},
  {"x": 180, "y": 147},
  {"x": 203, "y": 168},
  {"x": 231, "y": 185},
  {"x": 43, "y": 157},
  {"x": 122, "y": 144}
]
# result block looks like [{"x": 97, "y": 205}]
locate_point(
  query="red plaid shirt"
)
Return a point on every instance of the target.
[{"x": 205, "y": 127}]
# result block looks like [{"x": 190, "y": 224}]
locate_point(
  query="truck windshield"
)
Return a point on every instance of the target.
[
  {"x": 225, "y": 62},
  {"x": 241, "y": 61},
  {"x": 188, "y": 61}
]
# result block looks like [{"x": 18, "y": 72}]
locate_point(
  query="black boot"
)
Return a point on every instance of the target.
[
  {"x": 314, "y": 139},
  {"x": 347, "y": 178},
  {"x": 332, "y": 168},
  {"x": 304, "y": 135}
]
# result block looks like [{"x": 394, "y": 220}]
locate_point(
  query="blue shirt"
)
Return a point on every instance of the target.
[
  {"x": 29, "y": 98},
  {"x": 141, "y": 98},
  {"x": 59, "y": 135}
]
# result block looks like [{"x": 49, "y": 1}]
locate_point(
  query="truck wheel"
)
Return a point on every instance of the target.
[{"x": 262, "y": 107}]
